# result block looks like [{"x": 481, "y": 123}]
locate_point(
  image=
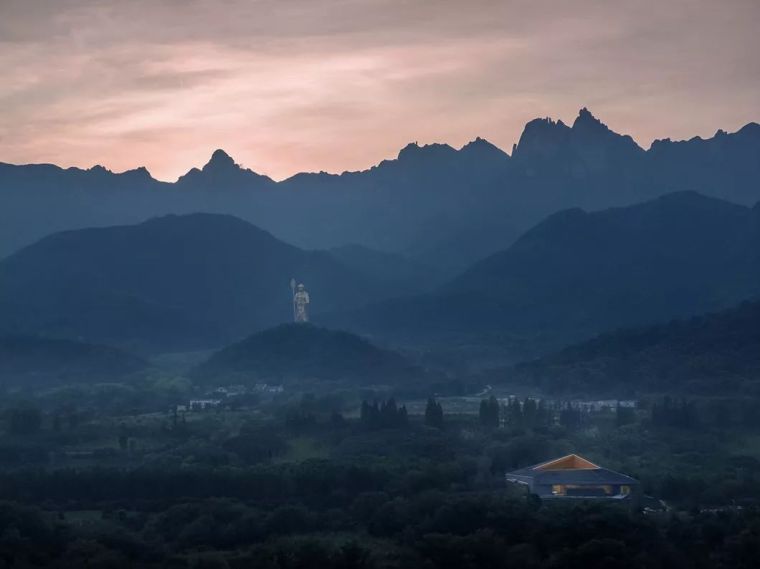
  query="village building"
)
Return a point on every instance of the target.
[
  {"x": 573, "y": 476},
  {"x": 203, "y": 404}
]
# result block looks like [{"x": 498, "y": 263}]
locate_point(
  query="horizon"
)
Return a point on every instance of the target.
[
  {"x": 458, "y": 147},
  {"x": 332, "y": 86}
]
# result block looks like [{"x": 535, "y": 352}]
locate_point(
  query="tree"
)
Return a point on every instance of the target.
[
  {"x": 483, "y": 412},
  {"x": 489, "y": 413},
  {"x": 370, "y": 415},
  {"x": 530, "y": 413},
  {"x": 681, "y": 414},
  {"x": 513, "y": 416},
  {"x": 352, "y": 556},
  {"x": 386, "y": 415},
  {"x": 402, "y": 417},
  {"x": 434, "y": 414}
]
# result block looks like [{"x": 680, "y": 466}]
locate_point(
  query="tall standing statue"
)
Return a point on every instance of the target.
[{"x": 300, "y": 302}]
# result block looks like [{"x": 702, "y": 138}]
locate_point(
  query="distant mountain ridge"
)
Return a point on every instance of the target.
[{"x": 443, "y": 205}]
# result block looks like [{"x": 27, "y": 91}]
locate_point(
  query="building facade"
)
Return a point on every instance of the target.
[{"x": 573, "y": 476}]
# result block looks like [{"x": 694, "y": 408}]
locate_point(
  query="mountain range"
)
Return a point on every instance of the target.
[
  {"x": 199, "y": 281},
  {"x": 442, "y": 206}
]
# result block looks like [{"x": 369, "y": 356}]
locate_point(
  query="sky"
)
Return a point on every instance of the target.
[{"x": 286, "y": 86}]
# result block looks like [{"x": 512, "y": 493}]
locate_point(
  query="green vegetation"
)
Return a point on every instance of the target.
[
  {"x": 298, "y": 352},
  {"x": 716, "y": 354},
  {"x": 56, "y": 361},
  {"x": 116, "y": 477}
]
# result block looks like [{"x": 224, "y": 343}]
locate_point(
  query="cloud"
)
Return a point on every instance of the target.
[{"x": 291, "y": 85}]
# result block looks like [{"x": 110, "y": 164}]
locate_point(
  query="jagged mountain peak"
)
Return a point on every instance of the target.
[
  {"x": 545, "y": 124},
  {"x": 141, "y": 170},
  {"x": 481, "y": 145},
  {"x": 587, "y": 120},
  {"x": 414, "y": 150},
  {"x": 589, "y": 139},
  {"x": 541, "y": 137},
  {"x": 221, "y": 171},
  {"x": 220, "y": 159}
]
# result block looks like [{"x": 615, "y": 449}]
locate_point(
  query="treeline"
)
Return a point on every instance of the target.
[
  {"x": 435, "y": 530},
  {"x": 701, "y": 414},
  {"x": 528, "y": 414},
  {"x": 383, "y": 415}
]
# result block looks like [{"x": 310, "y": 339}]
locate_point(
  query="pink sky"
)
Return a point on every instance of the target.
[{"x": 306, "y": 85}]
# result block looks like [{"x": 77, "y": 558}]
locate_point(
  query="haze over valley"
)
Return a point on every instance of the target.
[{"x": 379, "y": 284}]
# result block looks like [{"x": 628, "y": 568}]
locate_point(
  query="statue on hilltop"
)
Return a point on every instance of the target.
[{"x": 300, "y": 302}]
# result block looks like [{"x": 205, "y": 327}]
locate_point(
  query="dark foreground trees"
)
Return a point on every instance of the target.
[{"x": 428, "y": 529}]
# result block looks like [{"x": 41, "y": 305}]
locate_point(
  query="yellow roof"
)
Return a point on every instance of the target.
[{"x": 569, "y": 462}]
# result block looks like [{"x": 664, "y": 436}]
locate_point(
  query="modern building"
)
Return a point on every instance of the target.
[{"x": 573, "y": 476}]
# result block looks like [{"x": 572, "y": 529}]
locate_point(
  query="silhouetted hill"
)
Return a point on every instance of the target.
[
  {"x": 576, "y": 274},
  {"x": 33, "y": 361},
  {"x": 304, "y": 351},
  {"x": 171, "y": 283},
  {"x": 446, "y": 206},
  {"x": 718, "y": 353}
]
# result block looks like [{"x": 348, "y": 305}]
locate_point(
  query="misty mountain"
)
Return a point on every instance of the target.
[
  {"x": 577, "y": 274},
  {"x": 171, "y": 283},
  {"x": 445, "y": 206},
  {"x": 303, "y": 352},
  {"x": 716, "y": 353},
  {"x": 29, "y": 360},
  {"x": 396, "y": 271}
]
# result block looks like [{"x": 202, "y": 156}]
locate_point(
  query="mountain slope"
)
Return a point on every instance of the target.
[
  {"x": 679, "y": 254},
  {"x": 445, "y": 206},
  {"x": 304, "y": 351},
  {"x": 716, "y": 353},
  {"x": 577, "y": 274},
  {"x": 402, "y": 273},
  {"x": 34, "y": 361},
  {"x": 171, "y": 283}
]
